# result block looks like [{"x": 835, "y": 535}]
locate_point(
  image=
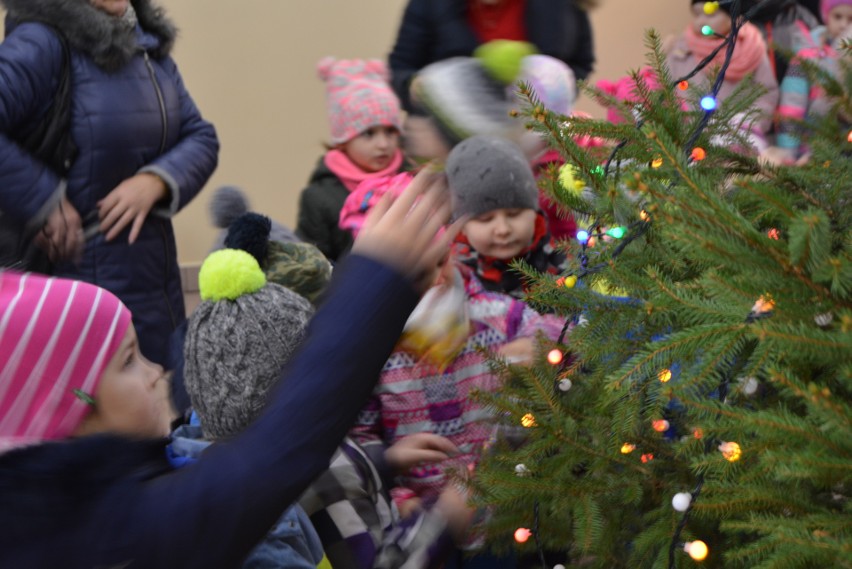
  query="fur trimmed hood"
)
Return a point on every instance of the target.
[{"x": 104, "y": 38}]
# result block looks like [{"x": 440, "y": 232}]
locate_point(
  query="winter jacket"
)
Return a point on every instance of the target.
[
  {"x": 434, "y": 30},
  {"x": 319, "y": 212},
  {"x": 130, "y": 114},
  {"x": 107, "y": 502},
  {"x": 415, "y": 397},
  {"x": 292, "y": 542}
]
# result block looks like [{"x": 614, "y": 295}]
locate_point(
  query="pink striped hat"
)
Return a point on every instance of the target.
[
  {"x": 358, "y": 97},
  {"x": 56, "y": 338}
]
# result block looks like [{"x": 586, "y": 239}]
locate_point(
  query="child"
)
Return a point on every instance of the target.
[
  {"x": 750, "y": 57},
  {"x": 237, "y": 343},
  {"x": 76, "y": 489},
  {"x": 492, "y": 183},
  {"x": 800, "y": 99},
  {"x": 364, "y": 117}
]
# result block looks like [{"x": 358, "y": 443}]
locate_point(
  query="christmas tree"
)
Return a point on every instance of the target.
[{"x": 697, "y": 412}]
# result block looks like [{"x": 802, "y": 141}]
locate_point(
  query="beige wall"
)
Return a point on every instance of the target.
[{"x": 249, "y": 64}]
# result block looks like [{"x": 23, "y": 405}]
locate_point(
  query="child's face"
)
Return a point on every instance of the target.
[
  {"x": 839, "y": 18},
  {"x": 132, "y": 397},
  {"x": 501, "y": 233},
  {"x": 719, "y": 20},
  {"x": 373, "y": 149}
]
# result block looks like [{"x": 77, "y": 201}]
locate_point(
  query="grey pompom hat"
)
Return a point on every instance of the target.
[
  {"x": 487, "y": 173},
  {"x": 235, "y": 350}
]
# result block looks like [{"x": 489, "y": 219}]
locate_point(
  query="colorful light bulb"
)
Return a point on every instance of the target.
[
  {"x": 656, "y": 162},
  {"x": 616, "y": 232},
  {"x": 570, "y": 281},
  {"x": 708, "y": 103},
  {"x": 554, "y": 356},
  {"x": 696, "y": 549},
  {"x": 698, "y": 154},
  {"x": 627, "y": 448},
  {"x": 583, "y": 236},
  {"x": 706, "y": 30},
  {"x": 683, "y": 85},
  {"x": 528, "y": 420},
  {"x": 522, "y": 535},
  {"x": 710, "y": 8},
  {"x": 647, "y": 457},
  {"x": 731, "y": 451},
  {"x": 681, "y": 501},
  {"x": 660, "y": 425},
  {"x": 565, "y": 384},
  {"x": 665, "y": 375}
]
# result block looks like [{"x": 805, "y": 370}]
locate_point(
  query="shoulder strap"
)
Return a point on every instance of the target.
[{"x": 50, "y": 141}]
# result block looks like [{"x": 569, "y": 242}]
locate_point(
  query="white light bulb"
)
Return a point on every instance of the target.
[
  {"x": 522, "y": 470},
  {"x": 559, "y": 566},
  {"x": 823, "y": 320},
  {"x": 681, "y": 501},
  {"x": 565, "y": 384},
  {"x": 749, "y": 385}
]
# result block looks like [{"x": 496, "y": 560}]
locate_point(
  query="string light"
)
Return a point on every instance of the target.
[
  {"x": 763, "y": 304},
  {"x": 696, "y": 549},
  {"x": 710, "y": 8},
  {"x": 583, "y": 236},
  {"x": 665, "y": 375},
  {"x": 554, "y": 356},
  {"x": 522, "y": 535},
  {"x": 592, "y": 241},
  {"x": 849, "y": 136},
  {"x": 683, "y": 85},
  {"x": 570, "y": 281},
  {"x": 698, "y": 433},
  {"x": 708, "y": 103},
  {"x": 627, "y": 448},
  {"x": 616, "y": 232},
  {"x": 823, "y": 320},
  {"x": 774, "y": 234},
  {"x": 681, "y": 501},
  {"x": 521, "y": 470},
  {"x": 707, "y": 30},
  {"x": 660, "y": 425},
  {"x": 656, "y": 162},
  {"x": 644, "y": 215},
  {"x": 528, "y": 420},
  {"x": 731, "y": 451},
  {"x": 565, "y": 384},
  {"x": 698, "y": 154},
  {"x": 598, "y": 171},
  {"x": 647, "y": 457},
  {"x": 749, "y": 385}
]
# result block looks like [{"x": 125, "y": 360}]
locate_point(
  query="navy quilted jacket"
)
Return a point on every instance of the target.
[{"x": 130, "y": 113}]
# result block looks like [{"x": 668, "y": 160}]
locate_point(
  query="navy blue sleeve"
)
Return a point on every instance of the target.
[
  {"x": 211, "y": 513},
  {"x": 30, "y": 63}
]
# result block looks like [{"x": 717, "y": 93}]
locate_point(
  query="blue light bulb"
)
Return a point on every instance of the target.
[
  {"x": 708, "y": 103},
  {"x": 583, "y": 236}
]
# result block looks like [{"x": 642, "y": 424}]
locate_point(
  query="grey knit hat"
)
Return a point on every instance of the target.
[
  {"x": 487, "y": 173},
  {"x": 238, "y": 341}
]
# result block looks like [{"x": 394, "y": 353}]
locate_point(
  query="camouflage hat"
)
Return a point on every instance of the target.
[{"x": 301, "y": 267}]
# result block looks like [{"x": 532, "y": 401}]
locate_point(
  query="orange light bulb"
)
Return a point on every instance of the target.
[
  {"x": 647, "y": 457},
  {"x": 731, "y": 451},
  {"x": 656, "y": 162},
  {"x": 697, "y": 549},
  {"x": 528, "y": 420},
  {"x": 627, "y": 448},
  {"x": 554, "y": 356},
  {"x": 660, "y": 425},
  {"x": 683, "y": 85},
  {"x": 665, "y": 375},
  {"x": 698, "y": 154},
  {"x": 522, "y": 535}
]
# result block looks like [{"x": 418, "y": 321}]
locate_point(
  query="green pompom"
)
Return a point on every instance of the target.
[
  {"x": 229, "y": 273},
  {"x": 502, "y": 58}
]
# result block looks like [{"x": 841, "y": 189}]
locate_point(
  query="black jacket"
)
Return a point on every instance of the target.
[
  {"x": 319, "y": 213},
  {"x": 433, "y": 30}
]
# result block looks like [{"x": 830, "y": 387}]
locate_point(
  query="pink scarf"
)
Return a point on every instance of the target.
[
  {"x": 748, "y": 52},
  {"x": 351, "y": 175}
]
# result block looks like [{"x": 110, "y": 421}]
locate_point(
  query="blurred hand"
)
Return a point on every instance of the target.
[
  {"x": 402, "y": 233},
  {"x": 62, "y": 235},
  {"x": 453, "y": 505},
  {"x": 130, "y": 202},
  {"x": 776, "y": 156},
  {"x": 521, "y": 350},
  {"x": 419, "y": 448}
]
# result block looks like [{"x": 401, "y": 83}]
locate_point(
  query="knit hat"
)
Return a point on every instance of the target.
[
  {"x": 238, "y": 341},
  {"x": 552, "y": 82},
  {"x": 301, "y": 267},
  {"x": 827, "y": 6},
  {"x": 487, "y": 173},
  {"x": 56, "y": 338},
  {"x": 358, "y": 97},
  {"x": 228, "y": 204}
]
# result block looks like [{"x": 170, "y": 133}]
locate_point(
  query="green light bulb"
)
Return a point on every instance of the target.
[
  {"x": 707, "y": 30},
  {"x": 616, "y": 232}
]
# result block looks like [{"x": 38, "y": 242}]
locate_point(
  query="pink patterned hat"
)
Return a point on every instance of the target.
[
  {"x": 358, "y": 97},
  {"x": 56, "y": 338}
]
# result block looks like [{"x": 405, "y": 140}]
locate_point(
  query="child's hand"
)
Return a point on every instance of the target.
[
  {"x": 419, "y": 448},
  {"x": 453, "y": 505},
  {"x": 402, "y": 232},
  {"x": 521, "y": 351}
]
